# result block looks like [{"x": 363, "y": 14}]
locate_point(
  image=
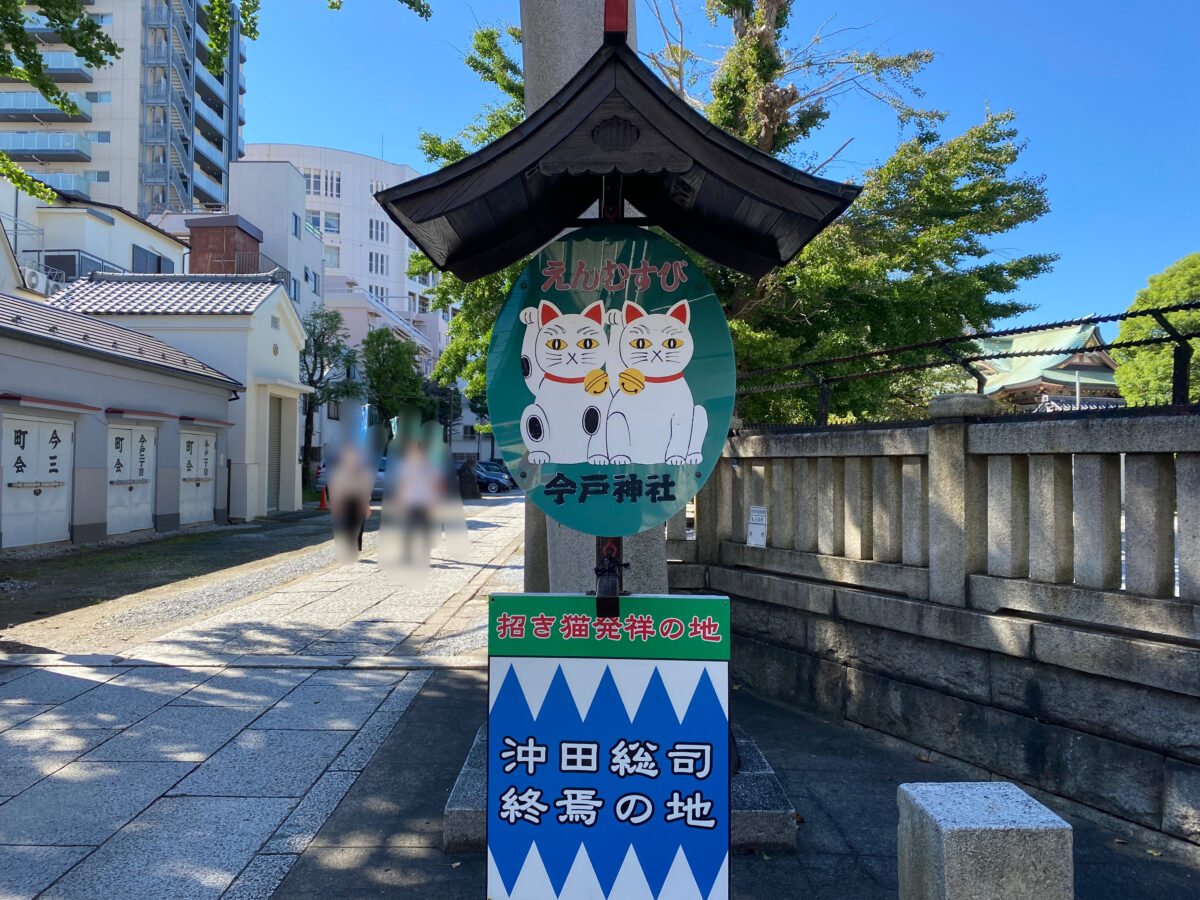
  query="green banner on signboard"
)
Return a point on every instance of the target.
[
  {"x": 649, "y": 627},
  {"x": 611, "y": 380}
]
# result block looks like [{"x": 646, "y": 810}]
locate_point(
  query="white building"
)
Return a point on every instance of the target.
[
  {"x": 363, "y": 249},
  {"x": 244, "y": 326},
  {"x": 56, "y": 243},
  {"x": 155, "y": 129}
]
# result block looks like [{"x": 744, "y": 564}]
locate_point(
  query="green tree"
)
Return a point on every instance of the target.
[
  {"x": 325, "y": 364},
  {"x": 22, "y": 61},
  {"x": 220, "y": 15},
  {"x": 1144, "y": 373},
  {"x": 391, "y": 373},
  {"x": 910, "y": 261},
  {"x": 442, "y": 402}
]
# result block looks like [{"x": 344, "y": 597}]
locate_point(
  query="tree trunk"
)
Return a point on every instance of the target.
[{"x": 310, "y": 411}]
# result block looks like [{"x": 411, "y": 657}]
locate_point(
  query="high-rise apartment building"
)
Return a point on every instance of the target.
[
  {"x": 156, "y": 131},
  {"x": 364, "y": 250}
]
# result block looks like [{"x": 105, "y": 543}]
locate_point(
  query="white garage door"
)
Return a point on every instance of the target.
[
  {"x": 197, "y": 487},
  {"x": 36, "y": 464},
  {"x": 131, "y": 468}
]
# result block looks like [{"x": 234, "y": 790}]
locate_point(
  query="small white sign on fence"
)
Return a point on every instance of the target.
[{"x": 756, "y": 531}]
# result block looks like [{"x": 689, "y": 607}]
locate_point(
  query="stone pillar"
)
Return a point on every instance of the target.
[
  {"x": 858, "y": 534},
  {"x": 914, "y": 502},
  {"x": 781, "y": 514},
  {"x": 886, "y": 529},
  {"x": 981, "y": 841},
  {"x": 557, "y": 38},
  {"x": 804, "y": 502},
  {"x": 1187, "y": 493},
  {"x": 1051, "y": 521},
  {"x": 1008, "y": 516},
  {"x": 1149, "y": 524},
  {"x": 537, "y": 573},
  {"x": 708, "y": 507},
  {"x": 957, "y": 498},
  {"x": 1097, "y": 496},
  {"x": 831, "y": 501}
]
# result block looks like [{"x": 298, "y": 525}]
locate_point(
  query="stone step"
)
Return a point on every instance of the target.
[{"x": 763, "y": 816}]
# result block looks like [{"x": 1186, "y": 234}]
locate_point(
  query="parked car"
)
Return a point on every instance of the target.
[
  {"x": 324, "y": 470},
  {"x": 491, "y": 477}
]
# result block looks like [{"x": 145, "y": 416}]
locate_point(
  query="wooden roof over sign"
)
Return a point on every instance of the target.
[{"x": 716, "y": 194}]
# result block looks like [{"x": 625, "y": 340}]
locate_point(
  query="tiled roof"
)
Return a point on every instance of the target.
[
  {"x": 49, "y": 325},
  {"x": 113, "y": 293},
  {"x": 1022, "y": 370}
]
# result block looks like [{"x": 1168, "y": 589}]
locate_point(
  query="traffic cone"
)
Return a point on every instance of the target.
[{"x": 324, "y": 502}]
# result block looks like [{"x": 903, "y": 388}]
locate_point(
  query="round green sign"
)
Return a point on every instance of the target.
[{"x": 611, "y": 380}]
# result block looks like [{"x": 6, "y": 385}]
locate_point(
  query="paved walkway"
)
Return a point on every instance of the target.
[{"x": 200, "y": 764}]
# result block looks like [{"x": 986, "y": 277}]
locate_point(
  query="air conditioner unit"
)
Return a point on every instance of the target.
[{"x": 37, "y": 281}]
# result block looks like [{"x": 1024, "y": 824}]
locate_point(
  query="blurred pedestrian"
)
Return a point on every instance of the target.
[{"x": 350, "y": 486}]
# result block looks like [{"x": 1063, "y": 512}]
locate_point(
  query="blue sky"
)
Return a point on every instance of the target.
[{"x": 1107, "y": 96}]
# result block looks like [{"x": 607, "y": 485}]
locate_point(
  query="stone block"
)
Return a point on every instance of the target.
[
  {"x": 1181, "y": 801},
  {"x": 804, "y": 503},
  {"x": 781, "y": 512},
  {"x": 795, "y": 679},
  {"x": 954, "y": 406},
  {"x": 29, "y": 754},
  {"x": 1051, "y": 519},
  {"x": 26, "y": 871},
  {"x": 1187, "y": 502},
  {"x": 961, "y": 671},
  {"x": 785, "y": 592},
  {"x": 762, "y": 817},
  {"x": 767, "y": 621},
  {"x": 1008, "y": 516},
  {"x": 908, "y": 580},
  {"x": 858, "y": 530},
  {"x": 56, "y": 684},
  {"x": 1097, "y": 496},
  {"x": 324, "y": 707},
  {"x": 1167, "y": 666},
  {"x": 886, "y": 526},
  {"x": 1150, "y": 524},
  {"x": 1131, "y": 713},
  {"x": 831, "y": 498},
  {"x": 178, "y": 832},
  {"x": 262, "y": 763},
  {"x": 465, "y": 819},
  {"x": 176, "y": 734},
  {"x": 1003, "y": 634},
  {"x": 981, "y": 841}
]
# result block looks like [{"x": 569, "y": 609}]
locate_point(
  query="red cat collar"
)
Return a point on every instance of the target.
[
  {"x": 652, "y": 379},
  {"x": 562, "y": 380}
]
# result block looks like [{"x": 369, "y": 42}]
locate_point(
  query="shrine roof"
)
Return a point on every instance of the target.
[
  {"x": 718, "y": 195},
  {"x": 51, "y": 326}
]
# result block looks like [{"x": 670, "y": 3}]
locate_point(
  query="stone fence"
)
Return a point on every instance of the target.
[{"x": 1019, "y": 596}]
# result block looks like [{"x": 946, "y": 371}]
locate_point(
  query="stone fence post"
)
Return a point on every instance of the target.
[{"x": 957, "y": 498}]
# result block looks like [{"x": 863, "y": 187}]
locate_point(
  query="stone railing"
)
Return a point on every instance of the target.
[{"x": 1021, "y": 595}]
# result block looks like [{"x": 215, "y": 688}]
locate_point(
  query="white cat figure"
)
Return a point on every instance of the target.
[
  {"x": 652, "y": 417},
  {"x": 562, "y": 356}
]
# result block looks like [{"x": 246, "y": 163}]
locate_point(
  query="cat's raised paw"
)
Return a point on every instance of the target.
[
  {"x": 675, "y": 460},
  {"x": 596, "y": 382},
  {"x": 538, "y": 457},
  {"x": 619, "y": 460},
  {"x": 529, "y": 315},
  {"x": 598, "y": 459},
  {"x": 694, "y": 459},
  {"x": 614, "y": 317}
]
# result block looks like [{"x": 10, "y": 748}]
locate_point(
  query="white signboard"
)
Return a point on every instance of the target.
[{"x": 756, "y": 531}]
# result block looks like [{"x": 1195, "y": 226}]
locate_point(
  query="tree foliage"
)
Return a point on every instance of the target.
[
  {"x": 22, "y": 61},
  {"x": 325, "y": 363},
  {"x": 391, "y": 373},
  {"x": 220, "y": 21},
  {"x": 910, "y": 261},
  {"x": 1144, "y": 373}
]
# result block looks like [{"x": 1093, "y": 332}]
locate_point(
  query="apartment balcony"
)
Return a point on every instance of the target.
[
  {"x": 38, "y": 28},
  {"x": 154, "y": 173},
  {"x": 65, "y": 183},
  {"x": 241, "y": 48},
  {"x": 65, "y": 68},
  {"x": 241, "y": 113},
  {"x": 155, "y": 94},
  {"x": 241, "y": 147},
  {"x": 214, "y": 119},
  {"x": 30, "y": 106},
  {"x": 156, "y": 15},
  {"x": 206, "y": 80},
  {"x": 207, "y": 189},
  {"x": 209, "y": 150},
  {"x": 46, "y": 146},
  {"x": 241, "y": 82},
  {"x": 75, "y": 264}
]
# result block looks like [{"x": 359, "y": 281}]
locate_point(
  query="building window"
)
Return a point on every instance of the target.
[
  {"x": 312, "y": 181},
  {"x": 333, "y": 223},
  {"x": 333, "y": 257},
  {"x": 148, "y": 261},
  {"x": 377, "y": 186},
  {"x": 295, "y": 225},
  {"x": 313, "y": 217},
  {"x": 316, "y": 283},
  {"x": 275, "y": 322},
  {"x": 295, "y": 291},
  {"x": 98, "y": 96},
  {"x": 412, "y": 301},
  {"x": 377, "y": 230},
  {"x": 101, "y": 18},
  {"x": 377, "y": 263},
  {"x": 333, "y": 183},
  {"x": 333, "y": 410},
  {"x": 96, "y": 176},
  {"x": 99, "y": 137},
  {"x": 423, "y": 304}
]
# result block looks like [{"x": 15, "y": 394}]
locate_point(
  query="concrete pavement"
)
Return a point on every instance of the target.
[{"x": 200, "y": 764}]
